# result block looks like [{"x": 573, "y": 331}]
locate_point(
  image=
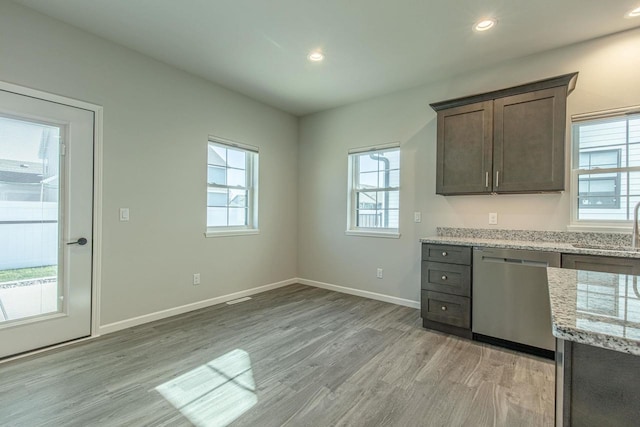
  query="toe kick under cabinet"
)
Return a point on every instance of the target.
[{"x": 446, "y": 288}]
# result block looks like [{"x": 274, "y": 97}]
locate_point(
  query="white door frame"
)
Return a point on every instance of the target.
[{"x": 97, "y": 190}]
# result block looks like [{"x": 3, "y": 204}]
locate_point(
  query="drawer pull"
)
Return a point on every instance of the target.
[
  {"x": 444, "y": 277},
  {"x": 443, "y": 308},
  {"x": 444, "y": 254}
]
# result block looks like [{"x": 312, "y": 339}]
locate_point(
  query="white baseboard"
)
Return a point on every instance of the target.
[
  {"x": 146, "y": 318},
  {"x": 361, "y": 293}
]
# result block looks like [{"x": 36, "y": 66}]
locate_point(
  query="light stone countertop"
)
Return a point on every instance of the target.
[
  {"x": 532, "y": 245},
  {"x": 598, "y": 309}
]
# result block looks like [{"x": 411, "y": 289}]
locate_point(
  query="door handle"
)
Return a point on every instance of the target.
[
  {"x": 81, "y": 241},
  {"x": 497, "y": 179}
]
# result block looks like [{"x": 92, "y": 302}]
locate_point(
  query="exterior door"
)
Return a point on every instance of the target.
[{"x": 46, "y": 199}]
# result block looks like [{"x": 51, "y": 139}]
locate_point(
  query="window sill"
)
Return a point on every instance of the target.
[
  {"x": 373, "y": 233},
  {"x": 229, "y": 233}
]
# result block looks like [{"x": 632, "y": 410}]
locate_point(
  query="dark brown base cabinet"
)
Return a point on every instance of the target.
[
  {"x": 595, "y": 386},
  {"x": 446, "y": 289}
]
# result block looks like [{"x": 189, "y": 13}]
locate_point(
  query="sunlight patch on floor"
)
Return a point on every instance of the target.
[{"x": 214, "y": 394}]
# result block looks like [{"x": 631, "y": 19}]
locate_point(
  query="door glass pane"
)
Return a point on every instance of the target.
[{"x": 29, "y": 194}]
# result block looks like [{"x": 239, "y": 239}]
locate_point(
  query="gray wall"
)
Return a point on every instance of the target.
[
  {"x": 608, "y": 78},
  {"x": 156, "y": 123}
]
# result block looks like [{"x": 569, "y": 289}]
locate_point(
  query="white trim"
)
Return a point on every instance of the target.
[
  {"x": 603, "y": 114},
  {"x": 98, "y": 166},
  {"x": 228, "y": 233},
  {"x": 43, "y": 349},
  {"x": 586, "y": 225},
  {"x": 606, "y": 170},
  {"x": 252, "y": 189},
  {"x": 369, "y": 233},
  {"x": 48, "y": 96},
  {"x": 380, "y": 147},
  {"x": 352, "y": 229},
  {"x": 361, "y": 293},
  {"x": 146, "y": 318},
  {"x": 224, "y": 141}
]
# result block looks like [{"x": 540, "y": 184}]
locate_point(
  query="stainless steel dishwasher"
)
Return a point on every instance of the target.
[{"x": 511, "y": 297}]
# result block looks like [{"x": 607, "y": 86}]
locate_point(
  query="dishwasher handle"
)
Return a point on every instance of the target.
[{"x": 516, "y": 261}]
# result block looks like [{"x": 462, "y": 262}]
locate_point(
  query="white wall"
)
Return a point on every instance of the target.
[
  {"x": 156, "y": 123},
  {"x": 608, "y": 78}
]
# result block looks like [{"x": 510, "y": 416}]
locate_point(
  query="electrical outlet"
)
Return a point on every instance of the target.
[
  {"x": 196, "y": 279},
  {"x": 124, "y": 214},
  {"x": 417, "y": 217},
  {"x": 493, "y": 218},
  {"x": 379, "y": 273}
]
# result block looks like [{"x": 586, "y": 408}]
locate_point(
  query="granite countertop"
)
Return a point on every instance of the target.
[
  {"x": 601, "y": 244},
  {"x": 598, "y": 309}
]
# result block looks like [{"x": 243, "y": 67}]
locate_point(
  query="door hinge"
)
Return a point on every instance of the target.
[{"x": 63, "y": 149}]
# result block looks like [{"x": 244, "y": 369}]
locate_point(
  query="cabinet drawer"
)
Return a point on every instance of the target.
[
  {"x": 601, "y": 263},
  {"x": 450, "y": 309},
  {"x": 447, "y": 278},
  {"x": 446, "y": 253}
]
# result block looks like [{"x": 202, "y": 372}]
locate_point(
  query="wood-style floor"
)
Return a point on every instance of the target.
[{"x": 295, "y": 356}]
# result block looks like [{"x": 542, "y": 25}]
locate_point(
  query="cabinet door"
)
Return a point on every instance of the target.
[
  {"x": 528, "y": 141},
  {"x": 601, "y": 264},
  {"x": 464, "y": 149}
]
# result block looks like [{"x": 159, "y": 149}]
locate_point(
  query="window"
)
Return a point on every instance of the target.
[
  {"x": 606, "y": 167},
  {"x": 601, "y": 191},
  {"x": 232, "y": 195},
  {"x": 374, "y": 191}
]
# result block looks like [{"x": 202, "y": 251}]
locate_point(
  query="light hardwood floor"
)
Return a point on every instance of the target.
[{"x": 295, "y": 356}]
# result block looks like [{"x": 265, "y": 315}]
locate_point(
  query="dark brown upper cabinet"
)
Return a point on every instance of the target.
[{"x": 506, "y": 141}]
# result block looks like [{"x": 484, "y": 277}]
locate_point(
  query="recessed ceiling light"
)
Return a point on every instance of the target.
[
  {"x": 316, "y": 56},
  {"x": 635, "y": 12},
  {"x": 485, "y": 24}
]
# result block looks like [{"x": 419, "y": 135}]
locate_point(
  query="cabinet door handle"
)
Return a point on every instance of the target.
[
  {"x": 486, "y": 179},
  {"x": 444, "y": 277},
  {"x": 444, "y": 254},
  {"x": 497, "y": 178},
  {"x": 443, "y": 308}
]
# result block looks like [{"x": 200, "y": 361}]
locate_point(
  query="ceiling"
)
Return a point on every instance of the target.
[{"x": 260, "y": 47}]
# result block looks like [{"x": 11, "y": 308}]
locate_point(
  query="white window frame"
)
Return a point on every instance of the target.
[
  {"x": 594, "y": 225},
  {"x": 252, "y": 190},
  {"x": 352, "y": 228}
]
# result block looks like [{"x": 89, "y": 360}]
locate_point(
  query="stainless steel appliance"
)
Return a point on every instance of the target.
[{"x": 511, "y": 296}]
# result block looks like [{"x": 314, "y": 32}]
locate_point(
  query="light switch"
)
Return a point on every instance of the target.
[
  {"x": 124, "y": 214},
  {"x": 417, "y": 217},
  {"x": 493, "y": 218}
]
